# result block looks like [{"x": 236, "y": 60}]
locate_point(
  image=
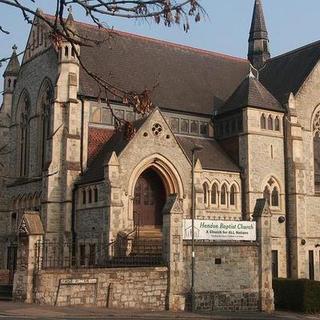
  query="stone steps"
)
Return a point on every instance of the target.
[
  {"x": 146, "y": 246},
  {"x": 6, "y": 292}
]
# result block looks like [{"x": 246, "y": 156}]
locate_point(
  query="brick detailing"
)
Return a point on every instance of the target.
[
  {"x": 139, "y": 288},
  {"x": 97, "y": 137}
]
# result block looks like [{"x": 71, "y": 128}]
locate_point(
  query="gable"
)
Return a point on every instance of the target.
[{"x": 38, "y": 40}]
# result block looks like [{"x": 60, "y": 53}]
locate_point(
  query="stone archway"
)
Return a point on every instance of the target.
[{"x": 149, "y": 199}]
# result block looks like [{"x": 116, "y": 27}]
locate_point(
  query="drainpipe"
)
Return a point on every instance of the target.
[
  {"x": 193, "y": 259},
  {"x": 286, "y": 126}
]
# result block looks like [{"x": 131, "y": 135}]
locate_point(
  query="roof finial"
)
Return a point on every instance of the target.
[
  {"x": 70, "y": 9},
  {"x": 14, "y": 48}
]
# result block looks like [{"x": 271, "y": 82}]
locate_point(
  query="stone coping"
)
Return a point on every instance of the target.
[
  {"x": 213, "y": 243},
  {"x": 90, "y": 271}
]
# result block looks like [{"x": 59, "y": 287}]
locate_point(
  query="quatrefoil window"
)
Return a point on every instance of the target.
[{"x": 157, "y": 129}]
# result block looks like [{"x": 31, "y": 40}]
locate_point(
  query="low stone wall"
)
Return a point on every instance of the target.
[
  {"x": 139, "y": 288},
  {"x": 4, "y": 276},
  {"x": 226, "y": 275}
]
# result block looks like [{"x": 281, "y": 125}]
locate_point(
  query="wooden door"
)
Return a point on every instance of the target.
[{"x": 149, "y": 199}]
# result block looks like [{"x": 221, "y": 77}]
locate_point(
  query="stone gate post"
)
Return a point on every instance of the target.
[
  {"x": 30, "y": 231},
  {"x": 173, "y": 251},
  {"x": 262, "y": 216}
]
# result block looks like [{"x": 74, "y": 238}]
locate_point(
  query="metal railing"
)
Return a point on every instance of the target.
[{"x": 128, "y": 250}]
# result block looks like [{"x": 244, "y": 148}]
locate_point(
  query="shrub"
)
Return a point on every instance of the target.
[{"x": 297, "y": 295}]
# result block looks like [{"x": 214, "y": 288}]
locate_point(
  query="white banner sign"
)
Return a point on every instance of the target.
[{"x": 219, "y": 230}]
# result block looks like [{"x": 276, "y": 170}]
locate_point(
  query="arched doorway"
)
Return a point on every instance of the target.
[{"x": 149, "y": 200}]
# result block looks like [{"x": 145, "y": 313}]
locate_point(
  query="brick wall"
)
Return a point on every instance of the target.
[{"x": 139, "y": 288}]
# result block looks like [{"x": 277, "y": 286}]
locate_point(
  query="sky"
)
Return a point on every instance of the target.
[{"x": 291, "y": 24}]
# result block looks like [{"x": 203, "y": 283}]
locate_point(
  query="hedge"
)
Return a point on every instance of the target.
[{"x": 297, "y": 295}]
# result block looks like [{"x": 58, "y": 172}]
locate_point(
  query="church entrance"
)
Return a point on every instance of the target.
[{"x": 149, "y": 200}]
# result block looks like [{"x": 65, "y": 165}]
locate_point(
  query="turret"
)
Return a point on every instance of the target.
[
  {"x": 258, "y": 52},
  {"x": 10, "y": 78}
]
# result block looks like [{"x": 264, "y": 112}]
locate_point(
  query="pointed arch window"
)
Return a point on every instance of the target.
[
  {"x": 233, "y": 195},
  {"x": 275, "y": 197},
  {"x": 24, "y": 135},
  {"x": 263, "y": 121},
  {"x": 272, "y": 193},
  {"x": 270, "y": 122},
  {"x": 277, "y": 124},
  {"x": 84, "y": 196},
  {"x": 90, "y": 195},
  {"x": 96, "y": 198},
  {"x": 223, "y": 196},
  {"x": 45, "y": 125},
  {"x": 316, "y": 151},
  {"x": 214, "y": 194},
  {"x": 205, "y": 193},
  {"x": 266, "y": 194}
]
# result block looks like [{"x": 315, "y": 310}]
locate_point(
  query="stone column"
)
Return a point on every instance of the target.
[
  {"x": 262, "y": 216},
  {"x": 30, "y": 231},
  {"x": 173, "y": 251}
]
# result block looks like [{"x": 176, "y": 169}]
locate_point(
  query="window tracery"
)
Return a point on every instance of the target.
[{"x": 271, "y": 193}]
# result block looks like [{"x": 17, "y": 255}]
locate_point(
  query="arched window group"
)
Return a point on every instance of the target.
[
  {"x": 269, "y": 122},
  {"x": 271, "y": 193},
  {"x": 26, "y": 118},
  {"x": 89, "y": 195},
  {"x": 220, "y": 195}
]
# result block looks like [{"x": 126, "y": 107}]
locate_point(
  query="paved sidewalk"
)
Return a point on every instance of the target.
[{"x": 10, "y": 310}]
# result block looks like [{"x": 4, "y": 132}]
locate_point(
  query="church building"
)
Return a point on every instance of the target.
[{"x": 224, "y": 134}]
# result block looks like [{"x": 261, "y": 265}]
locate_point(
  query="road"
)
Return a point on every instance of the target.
[{"x": 17, "y": 311}]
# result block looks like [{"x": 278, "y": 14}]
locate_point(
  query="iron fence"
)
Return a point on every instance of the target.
[{"x": 86, "y": 253}]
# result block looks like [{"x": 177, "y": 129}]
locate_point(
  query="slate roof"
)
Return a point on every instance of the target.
[
  {"x": 286, "y": 73},
  {"x": 258, "y": 28},
  {"x": 251, "y": 93},
  {"x": 189, "y": 80},
  {"x": 212, "y": 157},
  {"x": 95, "y": 170}
]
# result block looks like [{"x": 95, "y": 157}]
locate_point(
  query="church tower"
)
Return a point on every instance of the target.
[{"x": 258, "y": 52}]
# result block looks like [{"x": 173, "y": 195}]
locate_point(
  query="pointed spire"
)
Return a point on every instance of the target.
[
  {"x": 258, "y": 28},
  {"x": 258, "y": 52},
  {"x": 13, "y": 65}
]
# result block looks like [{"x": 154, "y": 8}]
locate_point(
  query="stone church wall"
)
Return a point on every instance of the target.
[
  {"x": 139, "y": 288},
  {"x": 31, "y": 76},
  {"x": 226, "y": 275},
  {"x": 306, "y": 206}
]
